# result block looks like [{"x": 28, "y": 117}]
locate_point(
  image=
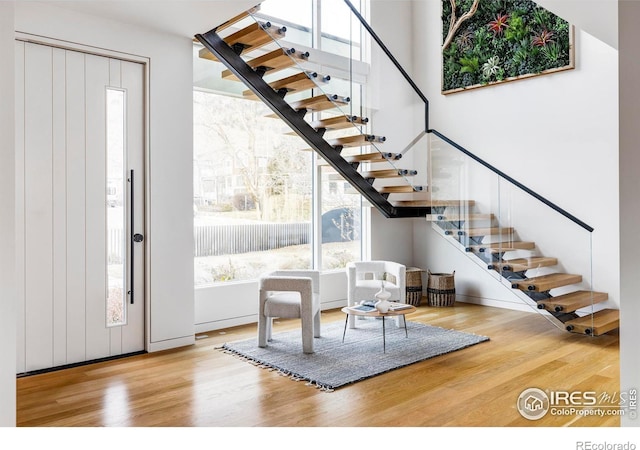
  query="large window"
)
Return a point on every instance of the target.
[
  {"x": 252, "y": 191},
  {"x": 256, "y": 184}
]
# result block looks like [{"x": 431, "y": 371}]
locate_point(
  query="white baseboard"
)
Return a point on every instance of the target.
[
  {"x": 171, "y": 343},
  {"x": 495, "y": 303}
]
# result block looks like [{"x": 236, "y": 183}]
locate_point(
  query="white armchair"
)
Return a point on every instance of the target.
[
  {"x": 364, "y": 280},
  {"x": 290, "y": 294}
]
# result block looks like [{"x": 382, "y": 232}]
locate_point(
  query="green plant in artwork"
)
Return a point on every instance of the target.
[
  {"x": 469, "y": 65},
  {"x": 488, "y": 41},
  {"x": 516, "y": 30},
  {"x": 552, "y": 52}
]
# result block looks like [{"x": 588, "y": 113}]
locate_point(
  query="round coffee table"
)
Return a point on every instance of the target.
[{"x": 349, "y": 311}]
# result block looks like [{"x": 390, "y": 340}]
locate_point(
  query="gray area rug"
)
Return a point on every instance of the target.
[{"x": 335, "y": 364}]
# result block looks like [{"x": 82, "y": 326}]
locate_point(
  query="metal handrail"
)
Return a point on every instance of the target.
[{"x": 514, "y": 182}]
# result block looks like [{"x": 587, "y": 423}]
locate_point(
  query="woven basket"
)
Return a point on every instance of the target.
[
  {"x": 414, "y": 285},
  {"x": 441, "y": 289}
]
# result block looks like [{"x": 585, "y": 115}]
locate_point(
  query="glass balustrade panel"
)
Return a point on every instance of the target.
[{"x": 528, "y": 245}]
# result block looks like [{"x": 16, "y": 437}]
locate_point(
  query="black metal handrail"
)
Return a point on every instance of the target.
[
  {"x": 395, "y": 62},
  {"x": 495, "y": 170},
  {"x": 514, "y": 182}
]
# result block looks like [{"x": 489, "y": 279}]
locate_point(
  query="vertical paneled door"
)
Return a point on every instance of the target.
[{"x": 80, "y": 196}]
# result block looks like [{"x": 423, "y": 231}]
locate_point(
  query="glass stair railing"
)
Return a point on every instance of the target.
[{"x": 496, "y": 224}]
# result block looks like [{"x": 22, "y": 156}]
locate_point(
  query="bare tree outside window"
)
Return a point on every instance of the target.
[{"x": 252, "y": 191}]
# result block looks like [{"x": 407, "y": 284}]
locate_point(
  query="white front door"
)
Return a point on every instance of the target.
[{"x": 79, "y": 139}]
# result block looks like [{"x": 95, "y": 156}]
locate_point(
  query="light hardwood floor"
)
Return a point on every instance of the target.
[{"x": 200, "y": 386}]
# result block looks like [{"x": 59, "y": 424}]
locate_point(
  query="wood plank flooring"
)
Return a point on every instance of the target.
[{"x": 200, "y": 386}]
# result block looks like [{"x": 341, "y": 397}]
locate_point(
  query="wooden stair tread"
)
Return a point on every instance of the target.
[
  {"x": 404, "y": 189},
  {"x": 386, "y": 173},
  {"x": 320, "y": 102},
  {"x": 255, "y": 35},
  {"x": 272, "y": 62},
  {"x": 434, "y": 203},
  {"x": 357, "y": 140},
  {"x": 546, "y": 282},
  {"x": 295, "y": 83},
  {"x": 236, "y": 19},
  {"x": 522, "y": 264},
  {"x": 339, "y": 122},
  {"x": 572, "y": 301},
  {"x": 597, "y": 324},
  {"x": 372, "y": 157},
  {"x": 251, "y": 38},
  {"x": 500, "y": 247},
  {"x": 461, "y": 217},
  {"x": 489, "y": 231}
]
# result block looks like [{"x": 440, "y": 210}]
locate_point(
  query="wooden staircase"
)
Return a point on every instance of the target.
[
  {"x": 249, "y": 50},
  {"x": 540, "y": 290}
]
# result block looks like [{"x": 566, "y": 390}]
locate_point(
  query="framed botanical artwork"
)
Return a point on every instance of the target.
[{"x": 487, "y": 42}]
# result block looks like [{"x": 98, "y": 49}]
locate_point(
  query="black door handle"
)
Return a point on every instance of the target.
[
  {"x": 136, "y": 237},
  {"x": 133, "y": 238}
]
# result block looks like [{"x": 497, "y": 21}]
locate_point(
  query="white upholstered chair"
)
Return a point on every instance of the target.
[
  {"x": 364, "y": 280},
  {"x": 290, "y": 294}
]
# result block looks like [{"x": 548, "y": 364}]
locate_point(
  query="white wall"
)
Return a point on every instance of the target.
[
  {"x": 392, "y": 239},
  {"x": 170, "y": 228},
  {"x": 556, "y": 134},
  {"x": 7, "y": 206},
  {"x": 629, "y": 204}
]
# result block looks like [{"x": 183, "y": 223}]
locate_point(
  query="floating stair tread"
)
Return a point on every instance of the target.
[
  {"x": 522, "y": 264},
  {"x": 320, "y": 103},
  {"x": 597, "y": 324},
  {"x": 272, "y": 62},
  {"x": 253, "y": 37},
  {"x": 385, "y": 173},
  {"x": 295, "y": 83},
  {"x": 491, "y": 231},
  {"x": 357, "y": 140},
  {"x": 236, "y": 19},
  {"x": 462, "y": 217},
  {"x": 546, "y": 282},
  {"x": 434, "y": 203},
  {"x": 339, "y": 122},
  {"x": 572, "y": 301},
  {"x": 372, "y": 157},
  {"x": 404, "y": 189},
  {"x": 500, "y": 247}
]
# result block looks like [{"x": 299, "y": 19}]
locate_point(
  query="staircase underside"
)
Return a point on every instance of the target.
[{"x": 295, "y": 118}]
